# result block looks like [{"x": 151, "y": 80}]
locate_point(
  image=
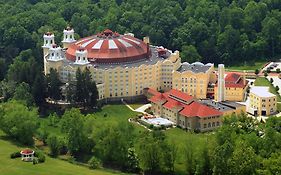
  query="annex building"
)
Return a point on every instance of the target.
[
  {"x": 189, "y": 113},
  {"x": 262, "y": 102}
]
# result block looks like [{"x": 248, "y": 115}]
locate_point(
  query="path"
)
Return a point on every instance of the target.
[{"x": 140, "y": 109}]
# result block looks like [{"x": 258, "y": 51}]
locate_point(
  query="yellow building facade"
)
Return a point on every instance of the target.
[
  {"x": 235, "y": 88},
  {"x": 193, "y": 79},
  {"x": 262, "y": 102},
  {"x": 115, "y": 80}
]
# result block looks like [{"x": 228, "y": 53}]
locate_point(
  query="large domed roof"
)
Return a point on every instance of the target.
[{"x": 110, "y": 47}]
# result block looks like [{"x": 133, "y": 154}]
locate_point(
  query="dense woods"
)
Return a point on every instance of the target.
[{"x": 228, "y": 31}]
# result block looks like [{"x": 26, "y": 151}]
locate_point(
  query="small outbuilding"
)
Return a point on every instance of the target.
[{"x": 27, "y": 155}]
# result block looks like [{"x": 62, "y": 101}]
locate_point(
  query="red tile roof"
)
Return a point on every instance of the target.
[
  {"x": 196, "y": 109},
  {"x": 190, "y": 108},
  {"x": 234, "y": 80},
  {"x": 180, "y": 95},
  {"x": 232, "y": 77}
]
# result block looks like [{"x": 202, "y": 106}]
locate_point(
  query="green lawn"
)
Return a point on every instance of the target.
[
  {"x": 253, "y": 67},
  {"x": 52, "y": 166}
]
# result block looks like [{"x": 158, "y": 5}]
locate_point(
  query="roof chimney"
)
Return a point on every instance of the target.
[{"x": 221, "y": 83}]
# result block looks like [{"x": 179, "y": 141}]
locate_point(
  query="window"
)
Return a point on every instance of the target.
[
  {"x": 209, "y": 125},
  {"x": 218, "y": 123}
]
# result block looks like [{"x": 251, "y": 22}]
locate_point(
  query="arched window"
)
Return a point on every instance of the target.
[
  {"x": 209, "y": 125},
  {"x": 218, "y": 123},
  {"x": 214, "y": 124}
]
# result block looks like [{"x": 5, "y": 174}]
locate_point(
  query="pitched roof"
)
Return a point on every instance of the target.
[
  {"x": 181, "y": 101},
  {"x": 196, "y": 109},
  {"x": 234, "y": 80},
  {"x": 232, "y": 77}
]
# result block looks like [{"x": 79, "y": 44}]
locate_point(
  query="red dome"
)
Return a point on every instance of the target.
[{"x": 110, "y": 47}]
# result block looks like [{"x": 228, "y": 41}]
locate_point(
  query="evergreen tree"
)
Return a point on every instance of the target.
[
  {"x": 39, "y": 89},
  {"x": 54, "y": 85}
]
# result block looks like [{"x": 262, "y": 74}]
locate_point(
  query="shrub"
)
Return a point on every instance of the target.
[
  {"x": 53, "y": 143},
  {"x": 35, "y": 161},
  {"x": 277, "y": 70},
  {"x": 41, "y": 157},
  {"x": 15, "y": 155},
  {"x": 94, "y": 163},
  {"x": 151, "y": 126},
  {"x": 265, "y": 74},
  {"x": 257, "y": 71},
  {"x": 72, "y": 160}
]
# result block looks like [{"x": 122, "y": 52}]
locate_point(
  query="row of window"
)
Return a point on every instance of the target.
[{"x": 211, "y": 124}]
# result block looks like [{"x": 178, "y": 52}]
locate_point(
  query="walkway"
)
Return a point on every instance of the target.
[{"x": 140, "y": 109}]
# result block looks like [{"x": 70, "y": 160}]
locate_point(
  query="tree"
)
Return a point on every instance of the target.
[
  {"x": 113, "y": 142},
  {"x": 271, "y": 80},
  {"x": 94, "y": 163},
  {"x": 149, "y": 153},
  {"x": 190, "y": 54},
  {"x": 278, "y": 70},
  {"x": 22, "y": 93},
  {"x": 86, "y": 90},
  {"x": 277, "y": 88},
  {"x": 132, "y": 164},
  {"x": 245, "y": 164},
  {"x": 19, "y": 121},
  {"x": 53, "y": 143},
  {"x": 54, "y": 83},
  {"x": 170, "y": 152},
  {"x": 189, "y": 158},
  {"x": 271, "y": 29},
  {"x": 220, "y": 158},
  {"x": 72, "y": 124},
  {"x": 79, "y": 93},
  {"x": 39, "y": 89},
  {"x": 257, "y": 71}
]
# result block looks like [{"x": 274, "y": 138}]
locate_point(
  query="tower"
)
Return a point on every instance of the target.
[
  {"x": 68, "y": 37},
  {"x": 221, "y": 83},
  {"x": 55, "y": 53},
  {"x": 49, "y": 40},
  {"x": 81, "y": 56}
]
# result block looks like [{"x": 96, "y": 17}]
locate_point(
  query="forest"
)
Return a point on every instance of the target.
[{"x": 217, "y": 31}]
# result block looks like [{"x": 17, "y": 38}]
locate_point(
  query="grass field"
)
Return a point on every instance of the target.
[
  {"x": 261, "y": 81},
  {"x": 52, "y": 166},
  {"x": 253, "y": 67}
]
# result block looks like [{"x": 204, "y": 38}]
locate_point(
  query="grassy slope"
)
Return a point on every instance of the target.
[
  {"x": 51, "y": 166},
  {"x": 261, "y": 81},
  {"x": 257, "y": 65}
]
